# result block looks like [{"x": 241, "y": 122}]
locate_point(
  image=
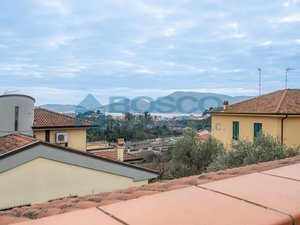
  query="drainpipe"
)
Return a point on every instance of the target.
[{"x": 282, "y": 120}]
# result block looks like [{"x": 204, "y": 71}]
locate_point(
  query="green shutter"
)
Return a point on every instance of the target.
[
  {"x": 235, "y": 130},
  {"x": 257, "y": 129}
]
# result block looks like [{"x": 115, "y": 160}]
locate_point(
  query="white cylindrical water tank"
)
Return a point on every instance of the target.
[{"x": 16, "y": 114}]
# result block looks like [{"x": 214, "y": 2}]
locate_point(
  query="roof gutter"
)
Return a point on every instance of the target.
[{"x": 282, "y": 130}]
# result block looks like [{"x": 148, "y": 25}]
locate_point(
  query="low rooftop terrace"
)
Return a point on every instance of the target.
[{"x": 265, "y": 193}]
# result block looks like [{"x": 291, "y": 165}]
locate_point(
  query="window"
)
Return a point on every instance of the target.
[
  {"x": 47, "y": 135},
  {"x": 257, "y": 129},
  {"x": 235, "y": 130},
  {"x": 16, "y": 118}
]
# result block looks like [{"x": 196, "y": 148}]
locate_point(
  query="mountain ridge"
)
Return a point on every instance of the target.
[{"x": 177, "y": 101}]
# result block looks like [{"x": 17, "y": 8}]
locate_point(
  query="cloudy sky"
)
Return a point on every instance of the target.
[{"x": 58, "y": 51}]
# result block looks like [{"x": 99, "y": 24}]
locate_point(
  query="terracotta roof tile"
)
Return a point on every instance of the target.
[
  {"x": 279, "y": 102},
  {"x": 47, "y": 118},
  {"x": 90, "y": 216},
  {"x": 14, "y": 141},
  {"x": 113, "y": 154},
  {"x": 101, "y": 199},
  {"x": 203, "y": 136}
]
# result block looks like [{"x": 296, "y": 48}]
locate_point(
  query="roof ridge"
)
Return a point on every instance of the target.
[
  {"x": 281, "y": 100},
  {"x": 88, "y": 154}
]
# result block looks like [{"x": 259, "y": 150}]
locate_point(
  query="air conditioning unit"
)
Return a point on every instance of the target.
[{"x": 61, "y": 138}]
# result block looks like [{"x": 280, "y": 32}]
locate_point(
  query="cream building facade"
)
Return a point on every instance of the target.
[{"x": 32, "y": 171}]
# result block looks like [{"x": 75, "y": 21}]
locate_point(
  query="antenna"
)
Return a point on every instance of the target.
[
  {"x": 10, "y": 92},
  {"x": 286, "y": 75},
  {"x": 259, "y": 81}
]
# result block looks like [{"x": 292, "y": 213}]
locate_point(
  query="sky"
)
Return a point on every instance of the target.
[{"x": 58, "y": 51}]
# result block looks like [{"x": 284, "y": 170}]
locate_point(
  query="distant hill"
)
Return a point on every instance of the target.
[
  {"x": 60, "y": 107},
  {"x": 183, "y": 102},
  {"x": 177, "y": 102}
]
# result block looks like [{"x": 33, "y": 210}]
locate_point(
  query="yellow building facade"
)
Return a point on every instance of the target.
[
  {"x": 76, "y": 136},
  {"x": 276, "y": 114},
  {"x": 47, "y": 124},
  {"x": 280, "y": 127}
]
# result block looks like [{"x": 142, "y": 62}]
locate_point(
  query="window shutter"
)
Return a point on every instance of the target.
[
  {"x": 235, "y": 130},
  {"x": 257, "y": 129}
]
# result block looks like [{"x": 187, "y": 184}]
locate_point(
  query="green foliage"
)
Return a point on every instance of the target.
[
  {"x": 132, "y": 127},
  {"x": 264, "y": 148},
  {"x": 191, "y": 156}
]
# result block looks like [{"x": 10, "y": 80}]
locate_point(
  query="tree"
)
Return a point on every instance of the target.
[{"x": 191, "y": 156}]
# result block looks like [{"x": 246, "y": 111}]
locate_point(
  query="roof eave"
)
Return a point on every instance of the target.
[
  {"x": 53, "y": 127},
  {"x": 255, "y": 113},
  {"x": 77, "y": 152}
]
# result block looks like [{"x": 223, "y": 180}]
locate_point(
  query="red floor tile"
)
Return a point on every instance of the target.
[
  {"x": 193, "y": 206},
  {"x": 291, "y": 172},
  {"x": 274, "y": 192}
]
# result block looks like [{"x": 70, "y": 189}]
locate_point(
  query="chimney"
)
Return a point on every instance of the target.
[
  {"x": 120, "y": 149},
  {"x": 225, "y": 105}
]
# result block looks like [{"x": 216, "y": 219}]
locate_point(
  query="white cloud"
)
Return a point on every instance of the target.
[
  {"x": 128, "y": 52},
  {"x": 238, "y": 36},
  {"x": 155, "y": 11},
  {"x": 55, "y": 5},
  {"x": 168, "y": 32},
  {"x": 74, "y": 96},
  {"x": 290, "y": 19},
  {"x": 145, "y": 71},
  {"x": 234, "y": 26},
  {"x": 289, "y": 3},
  {"x": 67, "y": 70},
  {"x": 171, "y": 46},
  {"x": 265, "y": 43},
  {"x": 58, "y": 41},
  {"x": 3, "y": 46}
]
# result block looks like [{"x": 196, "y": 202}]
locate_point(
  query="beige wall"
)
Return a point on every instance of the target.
[
  {"x": 77, "y": 137},
  {"x": 291, "y": 131},
  {"x": 41, "y": 180},
  {"x": 222, "y": 126}
]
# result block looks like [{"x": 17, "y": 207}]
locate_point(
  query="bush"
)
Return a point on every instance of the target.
[
  {"x": 264, "y": 148},
  {"x": 191, "y": 156}
]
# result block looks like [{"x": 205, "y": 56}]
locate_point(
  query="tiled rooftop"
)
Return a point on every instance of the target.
[
  {"x": 266, "y": 195},
  {"x": 113, "y": 154},
  {"x": 279, "y": 102},
  {"x": 14, "y": 141},
  {"x": 46, "y": 118}
]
